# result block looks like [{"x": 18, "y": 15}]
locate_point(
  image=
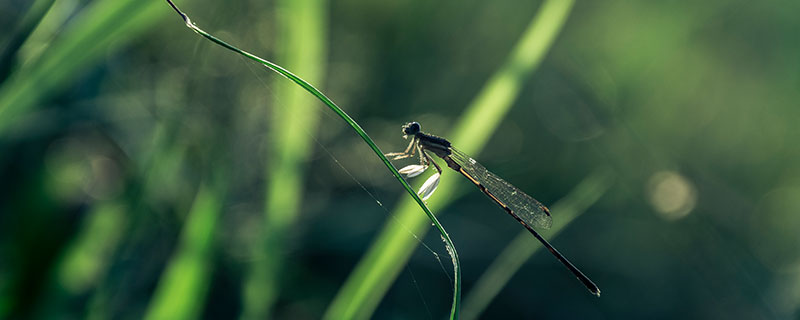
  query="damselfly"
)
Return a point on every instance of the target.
[{"x": 529, "y": 212}]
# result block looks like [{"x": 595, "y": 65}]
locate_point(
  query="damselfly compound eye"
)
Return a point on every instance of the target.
[{"x": 411, "y": 128}]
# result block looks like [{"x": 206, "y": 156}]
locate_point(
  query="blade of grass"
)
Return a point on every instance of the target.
[
  {"x": 159, "y": 170},
  {"x": 101, "y": 27},
  {"x": 26, "y": 25},
  {"x": 181, "y": 291},
  {"x": 302, "y": 47},
  {"x": 374, "y": 274},
  {"x": 455, "y": 307},
  {"x": 86, "y": 259},
  {"x": 54, "y": 22},
  {"x": 511, "y": 259}
]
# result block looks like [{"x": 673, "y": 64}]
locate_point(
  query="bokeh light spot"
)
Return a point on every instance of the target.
[{"x": 671, "y": 194}]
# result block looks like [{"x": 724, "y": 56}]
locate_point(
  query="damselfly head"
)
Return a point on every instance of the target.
[{"x": 411, "y": 128}]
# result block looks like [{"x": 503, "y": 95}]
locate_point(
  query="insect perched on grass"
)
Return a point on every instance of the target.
[{"x": 529, "y": 212}]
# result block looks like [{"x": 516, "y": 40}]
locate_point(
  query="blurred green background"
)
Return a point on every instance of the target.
[{"x": 147, "y": 172}]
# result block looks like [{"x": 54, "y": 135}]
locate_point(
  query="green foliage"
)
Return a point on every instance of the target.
[{"x": 147, "y": 173}]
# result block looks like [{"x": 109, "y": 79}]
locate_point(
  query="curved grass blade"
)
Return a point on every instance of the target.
[{"x": 455, "y": 307}]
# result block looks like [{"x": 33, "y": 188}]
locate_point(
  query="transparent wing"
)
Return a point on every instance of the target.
[{"x": 524, "y": 206}]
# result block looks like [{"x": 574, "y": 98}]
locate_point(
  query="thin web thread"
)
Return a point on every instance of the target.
[
  {"x": 364, "y": 188},
  {"x": 419, "y": 292}
]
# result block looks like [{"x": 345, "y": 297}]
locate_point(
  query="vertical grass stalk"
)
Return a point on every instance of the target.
[
  {"x": 182, "y": 289},
  {"x": 375, "y": 273},
  {"x": 302, "y": 47}
]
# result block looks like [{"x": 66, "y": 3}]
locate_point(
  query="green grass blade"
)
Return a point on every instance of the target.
[
  {"x": 511, "y": 259},
  {"x": 182, "y": 289},
  {"x": 373, "y": 276},
  {"x": 302, "y": 47},
  {"x": 28, "y": 22},
  {"x": 87, "y": 259},
  {"x": 454, "y": 310},
  {"x": 159, "y": 171},
  {"x": 102, "y": 26}
]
